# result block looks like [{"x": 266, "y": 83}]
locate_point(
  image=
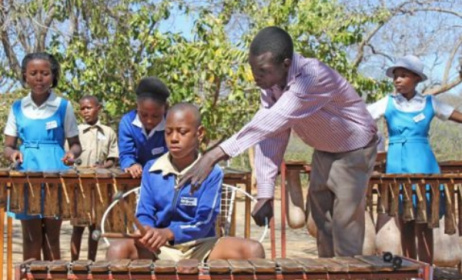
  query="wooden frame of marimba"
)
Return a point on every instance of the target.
[
  {"x": 387, "y": 185},
  {"x": 70, "y": 198},
  {"x": 360, "y": 267}
]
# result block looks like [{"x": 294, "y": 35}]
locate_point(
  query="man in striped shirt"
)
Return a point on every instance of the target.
[{"x": 307, "y": 97}]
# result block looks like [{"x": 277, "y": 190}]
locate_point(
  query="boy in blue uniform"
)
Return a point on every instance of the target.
[
  {"x": 180, "y": 225},
  {"x": 141, "y": 131}
]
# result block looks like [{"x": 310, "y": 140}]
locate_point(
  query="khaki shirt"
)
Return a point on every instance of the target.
[{"x": 99, "y": 142}]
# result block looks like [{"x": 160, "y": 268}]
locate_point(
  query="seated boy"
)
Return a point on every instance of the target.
[{"x": 180, "y": 225}]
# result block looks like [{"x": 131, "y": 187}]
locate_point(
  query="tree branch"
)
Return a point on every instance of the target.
[
  {"x": 9, "y": 51},
  {"x": 445, "y": 87},
  {"x": 438, "y": 10},
  {"x": 42, "y": 31},
  {"x": 450, "y": 60},
  {"x": 368, "y": 37}
]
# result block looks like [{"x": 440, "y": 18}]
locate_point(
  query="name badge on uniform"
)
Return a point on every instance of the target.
[
  {"x": 51, "y": 125},
  {"x": 100, "y": 136},
  {"x": 158, "y": 150},
  {"x": 419, "y": 117},
  {"x": 188, "y": 201}
]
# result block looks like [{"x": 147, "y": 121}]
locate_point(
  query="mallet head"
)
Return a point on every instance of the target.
[
  {"x": 118, "y": 196},
  {"x": 96, "y": 235}
]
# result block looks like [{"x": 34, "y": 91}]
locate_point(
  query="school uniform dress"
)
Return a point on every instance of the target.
[
  {"x": 408, "y": 123},
  {"x": 135, "y": 145},
  {"x": 42, "y": 131},
  {"x": 325, "y": 111},
  {"x": 190, "y": 216}
]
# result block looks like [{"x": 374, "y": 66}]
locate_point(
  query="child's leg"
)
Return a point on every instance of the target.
[
  {"x": 92, "y": 244},
  {"x": 126, "y": 249},
  {"x": 76, "y": 240},
  {"x": 32, "y": 239},
  {"x": 236, "y": 248},
  {"x": 424, "y": 242},
  {"x": 50, "y": 242},
  {"x": 408, "y": 235}
]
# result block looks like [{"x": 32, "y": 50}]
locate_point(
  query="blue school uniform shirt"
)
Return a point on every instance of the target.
[
  {"x": 137, "y": 147},
  {"x": 163, "y": 204}
]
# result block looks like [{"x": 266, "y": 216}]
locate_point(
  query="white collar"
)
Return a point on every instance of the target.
[
  {"x": 165, "y": 165},
  {"x": 159, "y": 127},
  {"x": 418, "y": 97},
  {"x": 53, "y": 100}
]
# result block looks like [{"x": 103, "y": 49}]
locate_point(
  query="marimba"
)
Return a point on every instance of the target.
[
  {"x": 385, "y": 190},
  {"x": 399, "y": 191},
  {"x": 81, "y": 196},
  {"x": 359, "y": 267}
]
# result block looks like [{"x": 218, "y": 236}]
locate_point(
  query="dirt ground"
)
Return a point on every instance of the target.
[{"x": 299, "y": 243}]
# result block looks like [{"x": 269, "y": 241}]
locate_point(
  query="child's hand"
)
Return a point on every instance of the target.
[
  {"x": 68, "y": 159},
  {"x": 98, "y": 165},
  {"x": 16, "y": 158},
  {"x": 155, "y": 238},
  {"x": 135, "y": 170}
]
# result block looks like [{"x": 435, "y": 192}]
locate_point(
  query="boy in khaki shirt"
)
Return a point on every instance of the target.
[{"x": 99, "y": 149}]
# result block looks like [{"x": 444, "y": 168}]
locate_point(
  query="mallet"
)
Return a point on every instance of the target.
[{"x": 97, "y": 234}]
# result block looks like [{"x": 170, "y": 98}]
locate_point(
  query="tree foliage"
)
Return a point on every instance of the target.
[{"x": 199, "y": 48}]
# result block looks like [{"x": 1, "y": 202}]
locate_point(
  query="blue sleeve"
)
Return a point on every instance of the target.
[
  {"x": 145, "y": 211},
  {"x": 206, "y": 214},
  {"x": 127, "y": 149}
]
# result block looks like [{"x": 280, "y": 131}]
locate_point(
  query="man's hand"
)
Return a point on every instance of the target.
[
  {"x": 263, "y": 211},
  {"x": 199, "y": 172},
  {"x": 135, "y": 170},
  {"x": 155, "y": 238}
]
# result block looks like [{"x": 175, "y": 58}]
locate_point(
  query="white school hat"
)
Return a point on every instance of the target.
[{"x": 409, "y": 62}]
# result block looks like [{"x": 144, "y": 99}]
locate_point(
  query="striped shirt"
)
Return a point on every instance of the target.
[{"x": 318, "y": 104}]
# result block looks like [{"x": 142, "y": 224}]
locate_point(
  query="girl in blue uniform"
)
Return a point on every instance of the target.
[
  {"x": 141, "y": 131},
  {"x": 42, "y": 121},
  {"x": 408, "y": 114}
]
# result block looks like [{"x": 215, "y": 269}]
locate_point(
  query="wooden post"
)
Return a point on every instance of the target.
[{"x": 283, "y": 209}]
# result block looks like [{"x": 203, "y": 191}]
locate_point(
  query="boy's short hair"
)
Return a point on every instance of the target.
[
  {"x": 152, "y": 88},
  {"x": 91, "y": 98},
  {"x": 54, "y": 65},
  {"x": 275, "y": 40},
  {"x": 185, "y": 106}
]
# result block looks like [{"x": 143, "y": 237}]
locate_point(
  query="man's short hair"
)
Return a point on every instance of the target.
[{"x": 275, "y": 40}]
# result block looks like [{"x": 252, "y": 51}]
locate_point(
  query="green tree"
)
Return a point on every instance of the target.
[{"x": 106, "y": 46}]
